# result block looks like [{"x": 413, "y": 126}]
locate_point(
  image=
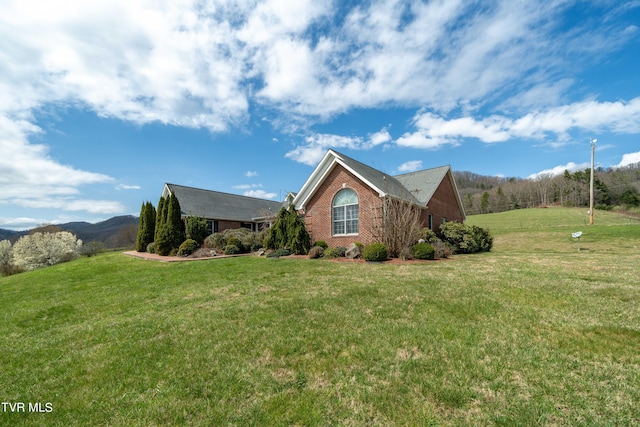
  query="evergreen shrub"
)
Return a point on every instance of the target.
[
  {"x": 322, "y": 244},
  {"x": 234, "y": 241},
  {"x": 188, "y": 247},
  {"x": 215, "y": 241},
  {"x": 375, "y": 252},
  {"x": 465, "y": 239},
  {"x": 231, "y": 250},
  {"x": 423, "y": 250},
  {"x": 278, "y": 253},
  {"x": 196, "y": 228},
  {"x": 331, "y": 253}
]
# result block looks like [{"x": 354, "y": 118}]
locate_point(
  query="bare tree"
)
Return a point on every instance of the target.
[{"x": 398, "y": 225}]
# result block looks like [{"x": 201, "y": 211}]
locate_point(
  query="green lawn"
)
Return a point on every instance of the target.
[{"x": 533, "y": 333}]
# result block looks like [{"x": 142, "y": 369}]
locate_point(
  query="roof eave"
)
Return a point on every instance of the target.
[{"x": 318, "y": 176}]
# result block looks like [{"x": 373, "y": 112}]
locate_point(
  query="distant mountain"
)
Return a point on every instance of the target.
[
  {"x": 103, "y": 231},
  {"x": 10, "y": 234},
  {"x": 114, "y": 232}
]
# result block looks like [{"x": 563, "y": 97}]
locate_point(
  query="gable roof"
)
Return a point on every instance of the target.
[
  {"x": 416, "y": 187},
  {"x": 222, "y": 206}
]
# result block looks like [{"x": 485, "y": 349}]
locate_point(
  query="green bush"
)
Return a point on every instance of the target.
[
  {"x": 215, "y": 241},
  {"x": 428, "y": 235},
  {"x": 151, "y": 248},
  {"x": 234, "y": 241},
  {"x": 288, "y": 231},
  {"x": 465, "y": 239},
  {"x": 375, "y": 252},
  {"x": 188, "y": 247},
  {"x": 331, "y": 253},
  {"x": 278, "y": 253},
  {"x": 322, "y": 244},
  {"x": 248, "y": 239},
  {"x": 196, "y": 228},
  {"x": 231, "y": 250},
  {"x": 423, "y": 250}
]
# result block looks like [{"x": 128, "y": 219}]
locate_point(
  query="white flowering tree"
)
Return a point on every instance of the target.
[{"x": 43, "y": 249}]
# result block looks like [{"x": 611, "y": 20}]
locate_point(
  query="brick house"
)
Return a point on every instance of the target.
[
  {"x": 224, "y": 211},
  {"x": 342, "y": 201}
]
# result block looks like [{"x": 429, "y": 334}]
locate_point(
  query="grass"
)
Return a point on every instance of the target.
[{"x": 533, "y": 333}]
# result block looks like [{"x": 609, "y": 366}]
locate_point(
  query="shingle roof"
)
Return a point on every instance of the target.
[
  {"x": 422, "y": 184},
  {"x": 385, "y": 183},
  {"x": 223, "y": 206},
  {"x": 416, "y": 187}
]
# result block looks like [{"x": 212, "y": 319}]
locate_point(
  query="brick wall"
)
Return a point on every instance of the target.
[
  {"x": 443, "y": 204},
  {"x": 318, "y": 212}
]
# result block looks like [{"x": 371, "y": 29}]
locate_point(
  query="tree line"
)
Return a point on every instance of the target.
[{"x": 612, "y": 187}]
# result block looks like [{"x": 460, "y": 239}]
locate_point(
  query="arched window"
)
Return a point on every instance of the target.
[{"x": 345, "y": 212}]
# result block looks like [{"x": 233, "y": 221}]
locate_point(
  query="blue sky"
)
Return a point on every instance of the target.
[{"x": 103, "y": 102}]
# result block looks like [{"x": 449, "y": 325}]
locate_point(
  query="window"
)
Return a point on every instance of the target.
[
  {"x": 345, "y": 212},
  {"x": 430, "y": 221},
  {"x": 212, "y": 226}
]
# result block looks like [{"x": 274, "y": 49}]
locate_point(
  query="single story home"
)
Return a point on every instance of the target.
[
  {"x": 342, "y": 201},
  {"x": 223, "y": 210}
]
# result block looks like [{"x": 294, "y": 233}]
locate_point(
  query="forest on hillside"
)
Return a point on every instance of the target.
[{"x": 613, "y": 187}]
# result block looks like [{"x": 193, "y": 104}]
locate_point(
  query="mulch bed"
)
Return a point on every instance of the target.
[{"x": 202, "y": 257}]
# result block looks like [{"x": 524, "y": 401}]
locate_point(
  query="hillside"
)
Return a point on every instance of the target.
[
  {"x": 118, "y": 231},
  {"x": 532, "y": 333}
]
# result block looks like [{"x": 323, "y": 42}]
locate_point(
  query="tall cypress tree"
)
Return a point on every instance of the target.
[
  {"x": 160, "y": 214},
  {"x": 150, "y": 224},
  {"x": 174, "y": 221},
  {"x": 146, "y": 227},
  {"x": 142, "y": 227}
]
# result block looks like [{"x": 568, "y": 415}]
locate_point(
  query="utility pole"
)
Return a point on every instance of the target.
[{"x": 593, "y": 150}]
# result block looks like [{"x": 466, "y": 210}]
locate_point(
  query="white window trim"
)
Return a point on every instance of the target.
[{"x": 344, "y": 221}]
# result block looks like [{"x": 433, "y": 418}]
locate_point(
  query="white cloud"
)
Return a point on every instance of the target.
[
  {"x": 629, "y": 159},
  {"x": 251, "y": 174},
  {"x": 559, "y": 170},
  {"x": 127, "y": 187},
  {"x": 247, "y": 186},
  {"x": 200, "y": 65},
  {"x": 381, "y": 137},
  {"x": 21, "y": 223},
  {"x": 317, "y": 145},
  {"x": 410, "y": 166},
  {"x": 261, "y": 194},
  {"x": 70, "y": 204},
  {"x": 433, "y": 131}
]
